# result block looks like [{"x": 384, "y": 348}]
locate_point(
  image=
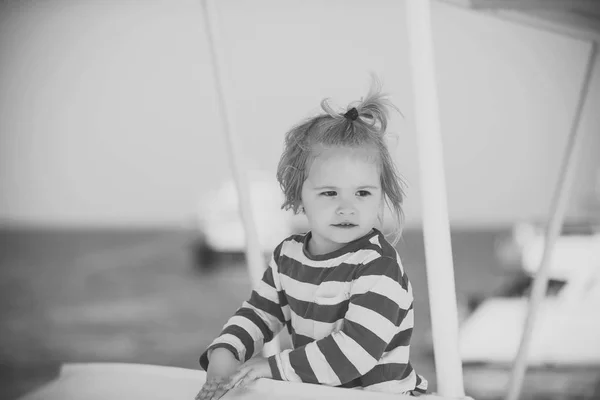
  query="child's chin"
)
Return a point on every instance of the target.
[{"x": 347, "y": 235}]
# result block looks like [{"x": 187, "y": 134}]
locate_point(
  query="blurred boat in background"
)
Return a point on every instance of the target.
[
  {"x": 219, "y": 227},
  {"x": 565, "y": 346}
]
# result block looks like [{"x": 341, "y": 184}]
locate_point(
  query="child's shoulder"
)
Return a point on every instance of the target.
[
  {"x": 381, "y": 254},
  {"x": 296, "y": 239},
  {"x": 384, "y": 247}
]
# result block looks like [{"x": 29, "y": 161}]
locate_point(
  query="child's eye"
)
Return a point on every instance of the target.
[
  {"x": 329, "y": 193},
  {"x": 363, "y": 193}
]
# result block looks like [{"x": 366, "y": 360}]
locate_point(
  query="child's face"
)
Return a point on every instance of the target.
[{"x": 341, "y": 197}]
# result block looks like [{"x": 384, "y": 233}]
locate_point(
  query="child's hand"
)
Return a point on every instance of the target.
[
  {"x": 253, "y": 369},
  {"x": 222, "y": 364},
  {"x": 213, "y": 389}
]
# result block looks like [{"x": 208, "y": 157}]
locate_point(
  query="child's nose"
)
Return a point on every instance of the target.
[{"x": 346, "y": 207}]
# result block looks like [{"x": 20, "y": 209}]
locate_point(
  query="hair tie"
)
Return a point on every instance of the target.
[{"x": 352, "y": 114}]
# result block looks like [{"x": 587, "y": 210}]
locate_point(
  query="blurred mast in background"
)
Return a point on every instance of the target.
[
  {"x": 558, "y": 210},
  {"x": 254, "y": 256}
]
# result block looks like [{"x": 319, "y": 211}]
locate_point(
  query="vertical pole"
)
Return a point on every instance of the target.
[
  {"x": 436, "y": 226},
  {"x": 254, "y": 257},
  {"x": 557, "y": 216}
]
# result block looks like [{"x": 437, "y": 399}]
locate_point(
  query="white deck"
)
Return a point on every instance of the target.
[{"x": 108, "y": 381}]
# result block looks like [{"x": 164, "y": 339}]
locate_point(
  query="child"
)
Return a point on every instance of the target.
[{"x": 340, "y": 289}]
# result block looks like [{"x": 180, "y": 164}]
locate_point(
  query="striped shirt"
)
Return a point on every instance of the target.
[{"x": 349, "y": 314}]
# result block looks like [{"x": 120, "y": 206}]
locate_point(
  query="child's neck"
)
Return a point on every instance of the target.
[{"x": 315, "y": 250}]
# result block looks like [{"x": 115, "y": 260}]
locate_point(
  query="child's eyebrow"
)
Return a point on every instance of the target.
[
  {"x": 324, "y": 188},
  {"x": 368, "y": 187},
  {"x": 335, "y": 188}
]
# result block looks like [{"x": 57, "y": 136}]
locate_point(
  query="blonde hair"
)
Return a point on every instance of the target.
[{"x": 334, "y": 129}]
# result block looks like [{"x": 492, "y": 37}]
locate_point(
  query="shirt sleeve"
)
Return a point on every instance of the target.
[
  {"x": 380, "y": 298},
  {"x": 256, "y": 322}
]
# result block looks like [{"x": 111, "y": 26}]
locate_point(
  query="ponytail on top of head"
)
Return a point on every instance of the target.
[
  {"x": 362, "y": 124},
  {"x": 362, "y": 119}
]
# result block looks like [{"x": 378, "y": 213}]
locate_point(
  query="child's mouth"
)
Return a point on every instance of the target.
[{"x": 345, "y": 226}]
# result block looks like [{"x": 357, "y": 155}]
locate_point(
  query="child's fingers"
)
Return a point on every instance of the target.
[
  {"x": 213, "y": 389},
  {"x": 245, "y": 381},
  {"x": 207, "y": 393},
  {"x": 222, "y": 388},
  {"x": 248, "y": 378},
  {"x": 238, "y": 377},
  {"x": 204, "y": 394}
]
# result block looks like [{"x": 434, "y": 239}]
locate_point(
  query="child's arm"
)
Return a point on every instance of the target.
[
  {"x": 379, "y": 301},
  {"x": 222, "y": 365},
  {"x": 256, "y": 322}
]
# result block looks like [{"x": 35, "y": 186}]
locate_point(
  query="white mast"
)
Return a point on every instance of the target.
[{"x": 436, "y": 226}]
